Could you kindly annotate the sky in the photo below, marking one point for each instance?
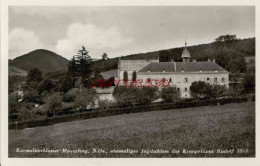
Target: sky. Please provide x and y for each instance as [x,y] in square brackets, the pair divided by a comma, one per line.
[120,31]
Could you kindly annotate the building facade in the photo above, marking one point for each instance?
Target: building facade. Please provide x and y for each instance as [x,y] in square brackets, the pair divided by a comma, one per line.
[180,74]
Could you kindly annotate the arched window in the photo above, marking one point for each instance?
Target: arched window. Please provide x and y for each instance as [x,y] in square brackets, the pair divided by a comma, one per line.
[134,76]
[125,76]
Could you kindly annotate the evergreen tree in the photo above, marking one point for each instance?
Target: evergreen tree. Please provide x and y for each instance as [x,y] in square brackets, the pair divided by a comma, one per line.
[84,62]
[80,66]
[33,78]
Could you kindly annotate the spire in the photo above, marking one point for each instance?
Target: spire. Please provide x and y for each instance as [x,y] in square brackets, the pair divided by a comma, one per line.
[185,42]
[185,54]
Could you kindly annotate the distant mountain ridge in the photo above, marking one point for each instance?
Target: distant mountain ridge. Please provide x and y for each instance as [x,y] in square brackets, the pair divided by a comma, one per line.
[45,60]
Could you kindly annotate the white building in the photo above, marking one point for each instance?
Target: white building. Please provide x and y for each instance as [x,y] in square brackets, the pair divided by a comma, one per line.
[180,74]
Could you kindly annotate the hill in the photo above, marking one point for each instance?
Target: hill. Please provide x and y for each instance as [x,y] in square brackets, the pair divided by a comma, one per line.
[217,50]
[44,60]
[12,70]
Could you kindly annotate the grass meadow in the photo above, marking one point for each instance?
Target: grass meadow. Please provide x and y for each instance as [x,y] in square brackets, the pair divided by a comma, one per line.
[224,127]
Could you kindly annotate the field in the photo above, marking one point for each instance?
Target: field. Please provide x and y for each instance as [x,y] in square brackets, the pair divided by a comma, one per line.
[229,128]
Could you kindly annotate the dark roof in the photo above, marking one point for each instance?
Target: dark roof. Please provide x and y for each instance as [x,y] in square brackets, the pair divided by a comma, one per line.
[179,66]
[109,74]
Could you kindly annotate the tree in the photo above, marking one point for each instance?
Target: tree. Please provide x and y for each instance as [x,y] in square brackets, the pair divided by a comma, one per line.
[83,63]
[79,84]
[146,95]
[32,96]
[72,68]
[45,85]
[98,79]
[66,83]
[225,38]
[231,60]
[104,56]
[249,83]
[53,103]
[86,98]
[218,91]
[198,89]
[130,96]
[170,94]
[125,96]
[33,78]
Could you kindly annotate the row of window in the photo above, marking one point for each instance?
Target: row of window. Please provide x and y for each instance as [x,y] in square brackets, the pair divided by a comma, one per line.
[186,80]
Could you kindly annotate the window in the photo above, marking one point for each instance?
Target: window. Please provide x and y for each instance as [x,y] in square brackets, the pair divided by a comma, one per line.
[208,79]
[185,79]
[178,89]
[215,79]
[223,79]
[125,76]
[170,80]
[186,89]
[134,76]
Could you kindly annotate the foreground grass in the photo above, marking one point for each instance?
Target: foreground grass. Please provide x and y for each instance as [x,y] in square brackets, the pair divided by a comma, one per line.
[230,126]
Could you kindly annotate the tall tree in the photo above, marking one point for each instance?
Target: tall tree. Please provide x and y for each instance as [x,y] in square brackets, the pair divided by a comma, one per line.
[104,56]
[33,78]
[83,62]
[72,68]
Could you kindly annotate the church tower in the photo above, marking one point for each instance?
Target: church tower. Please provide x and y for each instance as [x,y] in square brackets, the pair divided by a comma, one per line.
[185,54]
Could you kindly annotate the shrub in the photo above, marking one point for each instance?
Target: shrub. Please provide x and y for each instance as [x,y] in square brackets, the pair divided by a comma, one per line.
[198,89]
[13,103]
[25,113]
[130,96]
[45,85]
[201,89]
[85,98]
[53,103]
[170,94]
[125,96]
[146,95]
[71,95]
[32,96]
[105,104]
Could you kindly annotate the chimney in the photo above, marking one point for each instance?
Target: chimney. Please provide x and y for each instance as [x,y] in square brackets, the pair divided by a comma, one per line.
[193,60]
[213,60]
[209,60]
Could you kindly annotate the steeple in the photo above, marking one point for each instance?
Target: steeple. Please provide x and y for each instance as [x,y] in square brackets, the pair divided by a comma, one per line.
[185,54]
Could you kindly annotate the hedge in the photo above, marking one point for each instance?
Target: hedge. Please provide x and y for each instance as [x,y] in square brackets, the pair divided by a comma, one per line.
[87,114]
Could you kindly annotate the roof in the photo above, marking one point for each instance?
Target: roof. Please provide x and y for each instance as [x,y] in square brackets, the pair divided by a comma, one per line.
[109,74]
[179,66]
[185,53]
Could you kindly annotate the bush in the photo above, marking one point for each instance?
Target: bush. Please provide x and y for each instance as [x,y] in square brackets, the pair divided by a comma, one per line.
[201,89]
[26,113]
[105,104]
[32,96]
[71,95]
[130,96]
[53,103]
[170,94]
[118,111]
[85,98]
[45,85]
[146,95]
[125,96]
[13,103]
